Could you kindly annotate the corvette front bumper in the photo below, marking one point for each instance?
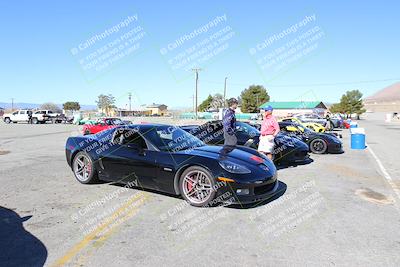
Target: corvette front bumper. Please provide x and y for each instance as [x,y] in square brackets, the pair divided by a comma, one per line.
[237,193]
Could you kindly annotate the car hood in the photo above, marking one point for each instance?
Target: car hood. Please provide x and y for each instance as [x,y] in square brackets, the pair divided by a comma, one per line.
[330,137]
[290,141]
[216,152]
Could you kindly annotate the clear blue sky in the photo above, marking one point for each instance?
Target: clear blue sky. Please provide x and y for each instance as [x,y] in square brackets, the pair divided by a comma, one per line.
[360,42]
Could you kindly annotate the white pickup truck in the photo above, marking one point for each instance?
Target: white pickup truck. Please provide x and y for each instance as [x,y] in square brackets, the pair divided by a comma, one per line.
[21,115]
[38,116]
[43,115]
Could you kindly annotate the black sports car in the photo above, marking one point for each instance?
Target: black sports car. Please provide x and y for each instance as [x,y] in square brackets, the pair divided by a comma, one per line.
[168,159]
[319,143]
[288,150]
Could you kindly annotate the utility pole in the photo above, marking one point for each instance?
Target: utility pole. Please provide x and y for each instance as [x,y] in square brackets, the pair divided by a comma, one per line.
[193,105]
[130,102]
[12,104]
[225,92]
[196,70]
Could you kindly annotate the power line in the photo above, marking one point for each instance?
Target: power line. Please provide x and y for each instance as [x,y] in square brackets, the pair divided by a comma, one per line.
[312,84]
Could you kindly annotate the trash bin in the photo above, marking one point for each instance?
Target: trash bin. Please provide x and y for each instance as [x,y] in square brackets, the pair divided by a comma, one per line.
[353,124]
[357,138]
[388,117]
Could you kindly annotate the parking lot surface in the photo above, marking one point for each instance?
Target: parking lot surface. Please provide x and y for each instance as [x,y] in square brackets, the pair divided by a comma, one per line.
[339,210]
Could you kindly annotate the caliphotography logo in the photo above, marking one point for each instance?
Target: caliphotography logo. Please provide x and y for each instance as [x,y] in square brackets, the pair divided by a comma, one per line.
[280,51]
[199,47]
[109,47]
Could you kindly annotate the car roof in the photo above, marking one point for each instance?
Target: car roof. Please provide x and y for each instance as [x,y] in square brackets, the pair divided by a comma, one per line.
[146,126]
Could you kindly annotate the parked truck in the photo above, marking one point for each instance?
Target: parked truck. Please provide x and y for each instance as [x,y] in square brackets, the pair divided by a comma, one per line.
[38,116]
[21,115]
[44,115]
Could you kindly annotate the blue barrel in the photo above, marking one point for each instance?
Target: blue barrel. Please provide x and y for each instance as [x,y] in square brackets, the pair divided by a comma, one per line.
[353,125]
[358,141]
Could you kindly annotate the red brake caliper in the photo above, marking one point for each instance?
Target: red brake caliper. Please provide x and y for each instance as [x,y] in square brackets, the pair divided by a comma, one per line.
[189,185]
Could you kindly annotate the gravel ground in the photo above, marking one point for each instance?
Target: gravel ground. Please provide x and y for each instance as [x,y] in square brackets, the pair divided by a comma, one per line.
[340,210]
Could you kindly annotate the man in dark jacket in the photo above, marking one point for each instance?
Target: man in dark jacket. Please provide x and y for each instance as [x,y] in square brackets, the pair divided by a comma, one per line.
[229,122]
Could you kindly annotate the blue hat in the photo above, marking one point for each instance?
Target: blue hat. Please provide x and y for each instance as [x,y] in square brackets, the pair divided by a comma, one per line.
[268,108]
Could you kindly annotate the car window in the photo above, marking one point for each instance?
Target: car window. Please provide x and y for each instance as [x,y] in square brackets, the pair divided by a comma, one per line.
[244,127]
[22,112]
[117,122]
[49,112]
[216,126]
[15,113]
[133,137]
[171,139]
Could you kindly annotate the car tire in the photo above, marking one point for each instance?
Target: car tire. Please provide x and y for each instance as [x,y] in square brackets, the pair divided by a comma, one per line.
[197,185]
[7,120]
[83,168]
[318,146]
[35,121]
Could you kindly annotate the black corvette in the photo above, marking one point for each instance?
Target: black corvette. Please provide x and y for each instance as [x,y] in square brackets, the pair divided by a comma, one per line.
[288,150]
[168,159]
[319,143]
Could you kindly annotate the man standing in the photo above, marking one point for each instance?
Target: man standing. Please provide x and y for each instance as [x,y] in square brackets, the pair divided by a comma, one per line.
[269,129]
[229,122]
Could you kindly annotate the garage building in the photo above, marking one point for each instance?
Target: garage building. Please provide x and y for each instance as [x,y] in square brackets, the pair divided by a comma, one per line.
[284,109]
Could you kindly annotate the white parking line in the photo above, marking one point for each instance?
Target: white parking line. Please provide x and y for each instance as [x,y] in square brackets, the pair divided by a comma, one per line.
[384,171]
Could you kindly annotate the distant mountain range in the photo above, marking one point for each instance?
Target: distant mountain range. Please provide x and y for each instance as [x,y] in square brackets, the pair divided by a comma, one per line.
[387,94]
[33,106]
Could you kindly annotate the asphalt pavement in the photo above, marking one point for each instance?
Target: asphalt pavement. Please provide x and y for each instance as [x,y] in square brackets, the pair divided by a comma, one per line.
[340,210]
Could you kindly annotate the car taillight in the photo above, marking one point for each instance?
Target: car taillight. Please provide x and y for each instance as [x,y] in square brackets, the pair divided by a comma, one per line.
[257,159]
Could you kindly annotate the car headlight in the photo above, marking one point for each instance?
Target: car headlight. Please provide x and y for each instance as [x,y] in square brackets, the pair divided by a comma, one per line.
[233,167]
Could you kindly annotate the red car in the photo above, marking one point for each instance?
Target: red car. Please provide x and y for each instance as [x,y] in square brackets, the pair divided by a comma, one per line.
[101,124]
[346,124]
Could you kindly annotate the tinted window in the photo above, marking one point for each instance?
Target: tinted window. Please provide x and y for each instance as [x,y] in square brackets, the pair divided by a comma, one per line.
[133,137]
[244,127]
[171,138]
[22,112]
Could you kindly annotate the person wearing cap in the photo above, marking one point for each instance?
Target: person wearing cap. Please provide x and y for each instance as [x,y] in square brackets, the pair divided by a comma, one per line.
[229,123]
[269,130]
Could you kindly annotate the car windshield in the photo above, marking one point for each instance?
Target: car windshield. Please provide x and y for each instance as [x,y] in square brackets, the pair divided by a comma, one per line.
[117,122]
[241,126]
[171,138]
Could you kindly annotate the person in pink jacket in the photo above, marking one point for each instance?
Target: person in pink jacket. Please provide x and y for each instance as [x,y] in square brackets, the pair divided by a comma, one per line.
[269,129]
